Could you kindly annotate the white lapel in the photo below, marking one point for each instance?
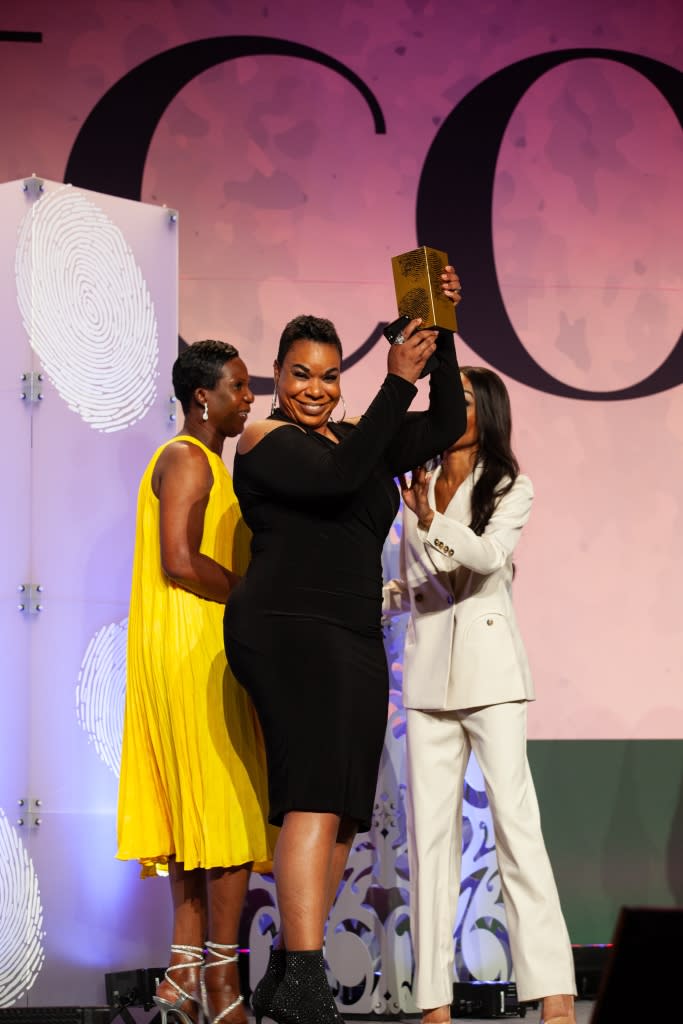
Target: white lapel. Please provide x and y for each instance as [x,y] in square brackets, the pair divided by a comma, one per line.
[460,505]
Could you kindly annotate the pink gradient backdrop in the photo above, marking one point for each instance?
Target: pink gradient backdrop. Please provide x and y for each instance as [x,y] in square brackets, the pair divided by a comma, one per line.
[290,203]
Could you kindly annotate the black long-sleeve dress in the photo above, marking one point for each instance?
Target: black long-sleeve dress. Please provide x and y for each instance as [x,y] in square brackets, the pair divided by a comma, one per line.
[302,629]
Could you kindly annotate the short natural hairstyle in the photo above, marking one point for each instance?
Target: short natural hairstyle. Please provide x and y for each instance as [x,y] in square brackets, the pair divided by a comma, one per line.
[200,366]
[310,328]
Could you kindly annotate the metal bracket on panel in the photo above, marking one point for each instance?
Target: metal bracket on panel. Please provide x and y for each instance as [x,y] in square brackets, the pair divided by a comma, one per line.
[32,382]
[31,600]
[171,214]
[30,811]
[34,186]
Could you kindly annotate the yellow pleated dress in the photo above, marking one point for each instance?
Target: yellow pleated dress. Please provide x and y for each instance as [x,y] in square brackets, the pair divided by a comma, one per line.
[193,771]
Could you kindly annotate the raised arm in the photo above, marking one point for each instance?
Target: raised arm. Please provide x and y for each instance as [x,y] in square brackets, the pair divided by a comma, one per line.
[290,463]
[426,434]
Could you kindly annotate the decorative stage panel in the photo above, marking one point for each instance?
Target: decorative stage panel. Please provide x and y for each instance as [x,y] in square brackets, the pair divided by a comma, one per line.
[88,288]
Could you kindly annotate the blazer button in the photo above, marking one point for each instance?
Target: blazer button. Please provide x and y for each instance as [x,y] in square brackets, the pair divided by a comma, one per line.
[419,597]
[489,622]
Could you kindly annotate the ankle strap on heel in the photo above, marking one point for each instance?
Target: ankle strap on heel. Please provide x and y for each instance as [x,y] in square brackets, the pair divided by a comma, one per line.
[217,949]
[194,951]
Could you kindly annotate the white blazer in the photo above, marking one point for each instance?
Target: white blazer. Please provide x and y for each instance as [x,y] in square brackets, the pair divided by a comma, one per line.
[463,648]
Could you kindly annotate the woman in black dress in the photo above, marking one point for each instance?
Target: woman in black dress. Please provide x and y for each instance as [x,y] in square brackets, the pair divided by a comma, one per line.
[302,628]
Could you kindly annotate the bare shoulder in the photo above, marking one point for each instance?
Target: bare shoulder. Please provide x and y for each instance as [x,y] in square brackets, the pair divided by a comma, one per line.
[182,464]
[182,453]
[253,433]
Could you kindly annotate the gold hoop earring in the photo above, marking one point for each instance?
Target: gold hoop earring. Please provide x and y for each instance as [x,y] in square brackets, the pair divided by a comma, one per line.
[343,415]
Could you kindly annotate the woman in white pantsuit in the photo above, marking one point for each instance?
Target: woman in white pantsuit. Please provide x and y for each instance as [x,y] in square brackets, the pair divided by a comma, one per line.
[466,685]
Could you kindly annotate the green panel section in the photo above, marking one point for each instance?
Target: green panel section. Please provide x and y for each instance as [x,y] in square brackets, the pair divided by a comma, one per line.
[612,813]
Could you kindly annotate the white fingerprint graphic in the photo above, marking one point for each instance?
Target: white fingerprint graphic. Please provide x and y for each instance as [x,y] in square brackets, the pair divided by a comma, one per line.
[87,310]
[21,917]
[101,691]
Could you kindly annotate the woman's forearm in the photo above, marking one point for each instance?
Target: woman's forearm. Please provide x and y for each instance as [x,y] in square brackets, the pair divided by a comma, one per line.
[202,576]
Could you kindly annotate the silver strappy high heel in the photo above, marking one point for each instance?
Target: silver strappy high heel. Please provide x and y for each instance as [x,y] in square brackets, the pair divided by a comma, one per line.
[221,952]
[165,1006]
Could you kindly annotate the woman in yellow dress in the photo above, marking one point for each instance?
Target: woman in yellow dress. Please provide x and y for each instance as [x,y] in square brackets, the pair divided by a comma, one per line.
[193,791]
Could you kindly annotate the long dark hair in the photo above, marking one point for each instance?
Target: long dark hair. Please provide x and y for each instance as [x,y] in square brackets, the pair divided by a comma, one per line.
[499,466]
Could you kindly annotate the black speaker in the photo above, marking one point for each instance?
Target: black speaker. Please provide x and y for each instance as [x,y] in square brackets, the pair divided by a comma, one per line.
[486,999]
[589,966]
[646,957]
[133,988]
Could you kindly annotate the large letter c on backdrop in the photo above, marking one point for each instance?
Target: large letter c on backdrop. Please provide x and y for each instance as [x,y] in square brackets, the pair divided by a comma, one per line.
[111,148]
[110,151]
[465,152]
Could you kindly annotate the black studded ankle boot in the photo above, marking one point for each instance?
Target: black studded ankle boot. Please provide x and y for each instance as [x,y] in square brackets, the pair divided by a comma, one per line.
[263,994]
[304,996]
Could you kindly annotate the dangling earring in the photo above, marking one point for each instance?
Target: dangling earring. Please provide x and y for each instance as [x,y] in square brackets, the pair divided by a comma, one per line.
[273,404]
[205,414]
[343,415]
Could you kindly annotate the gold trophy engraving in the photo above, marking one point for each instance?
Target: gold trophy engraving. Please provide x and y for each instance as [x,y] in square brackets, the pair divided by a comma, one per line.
[417,280]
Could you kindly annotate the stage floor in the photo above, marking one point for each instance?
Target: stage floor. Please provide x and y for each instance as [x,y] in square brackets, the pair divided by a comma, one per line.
[584,1009]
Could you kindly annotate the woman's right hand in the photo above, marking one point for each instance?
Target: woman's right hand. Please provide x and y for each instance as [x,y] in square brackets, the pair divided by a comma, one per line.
[408,360]
[416,495]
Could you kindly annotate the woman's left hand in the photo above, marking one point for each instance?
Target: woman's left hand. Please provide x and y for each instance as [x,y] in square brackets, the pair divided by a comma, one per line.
[450,285]
[416,496]
[410,351]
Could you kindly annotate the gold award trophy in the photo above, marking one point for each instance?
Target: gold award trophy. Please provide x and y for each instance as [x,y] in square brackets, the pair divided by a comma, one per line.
[417,279]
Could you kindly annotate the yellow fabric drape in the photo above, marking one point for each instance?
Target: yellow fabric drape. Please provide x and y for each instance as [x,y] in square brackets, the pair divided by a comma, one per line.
[193,774]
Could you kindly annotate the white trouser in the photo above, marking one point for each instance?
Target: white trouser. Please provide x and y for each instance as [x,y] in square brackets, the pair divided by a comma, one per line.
[438,748]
